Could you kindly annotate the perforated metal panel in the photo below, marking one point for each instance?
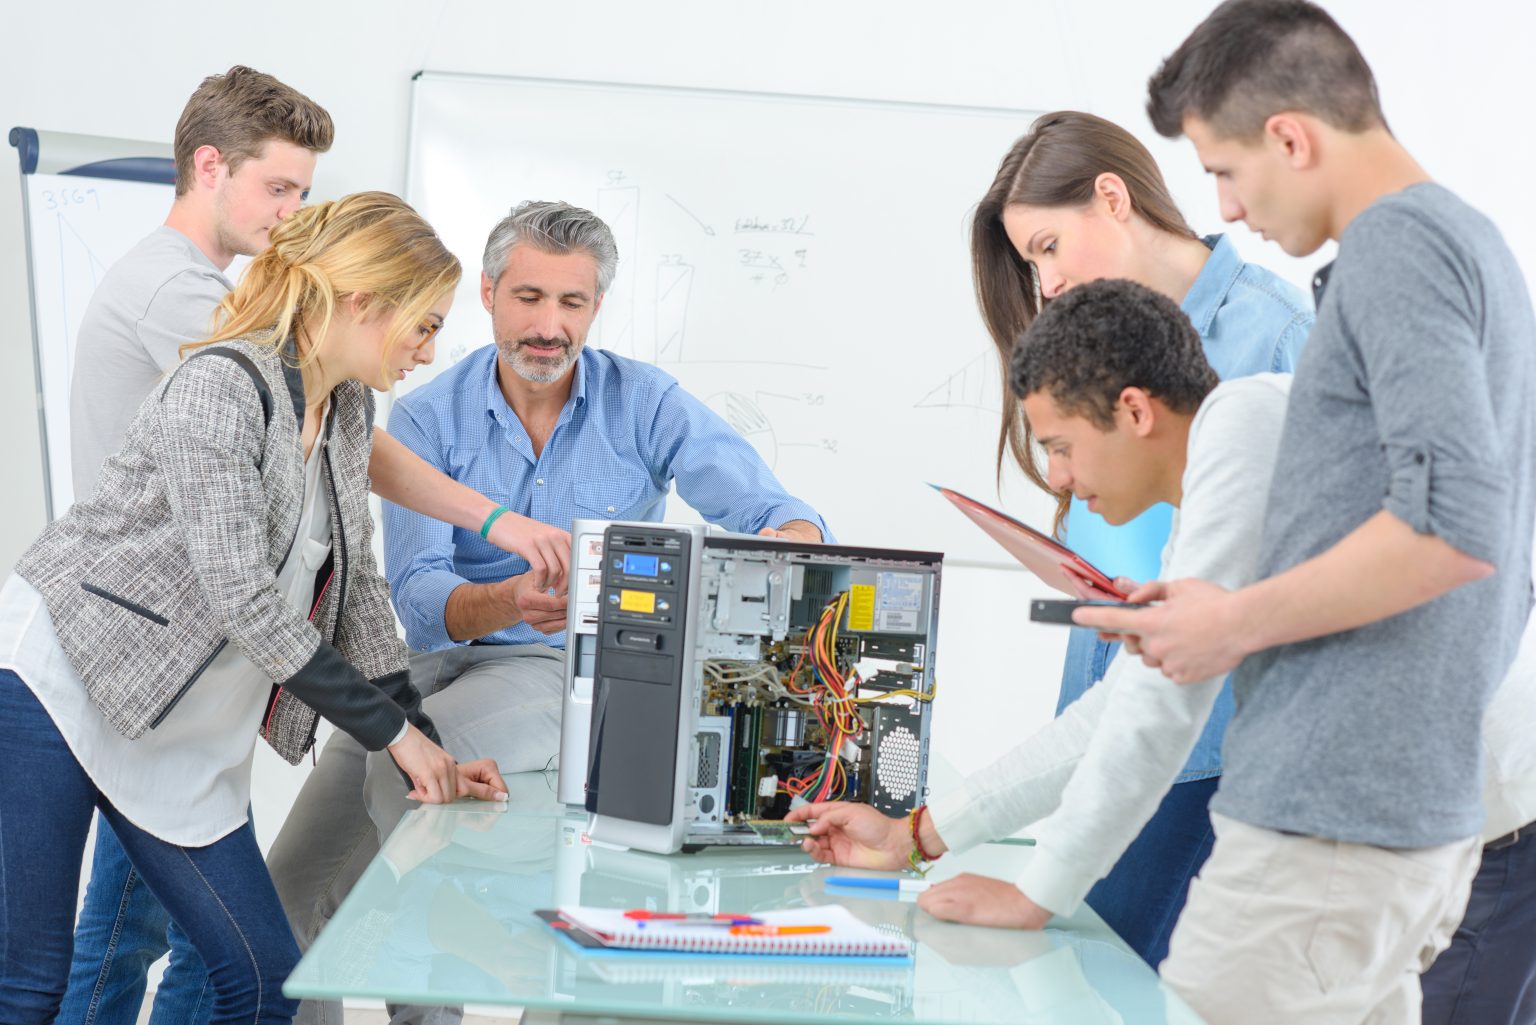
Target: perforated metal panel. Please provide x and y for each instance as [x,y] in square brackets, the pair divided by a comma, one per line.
[707,770]
[897,759]
[706,774]
[896,762]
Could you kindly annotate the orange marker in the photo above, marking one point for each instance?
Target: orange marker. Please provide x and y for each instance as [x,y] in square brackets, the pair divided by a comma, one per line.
[778,930]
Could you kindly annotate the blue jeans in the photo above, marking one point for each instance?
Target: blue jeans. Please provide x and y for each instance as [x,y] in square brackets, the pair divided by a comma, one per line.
[123,930]
[220,894]
[1087,661]
[1488,974]
[1143,894]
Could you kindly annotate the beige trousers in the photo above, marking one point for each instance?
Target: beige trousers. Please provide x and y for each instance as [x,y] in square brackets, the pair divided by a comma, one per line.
[1283,928]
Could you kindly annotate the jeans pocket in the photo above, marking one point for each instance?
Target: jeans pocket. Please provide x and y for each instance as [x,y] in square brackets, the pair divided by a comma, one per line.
[1374,898]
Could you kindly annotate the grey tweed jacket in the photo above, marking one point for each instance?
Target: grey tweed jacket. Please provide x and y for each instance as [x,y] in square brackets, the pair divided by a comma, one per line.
[177,554]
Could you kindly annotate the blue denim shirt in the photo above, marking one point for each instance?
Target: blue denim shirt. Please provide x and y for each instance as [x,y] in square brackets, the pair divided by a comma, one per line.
[1251,322]
[626,432]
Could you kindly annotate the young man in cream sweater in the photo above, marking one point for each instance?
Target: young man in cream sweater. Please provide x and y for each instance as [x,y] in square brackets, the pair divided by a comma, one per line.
[1120,396]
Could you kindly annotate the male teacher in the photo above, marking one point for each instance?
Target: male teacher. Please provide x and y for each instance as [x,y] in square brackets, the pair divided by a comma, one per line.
[555,431]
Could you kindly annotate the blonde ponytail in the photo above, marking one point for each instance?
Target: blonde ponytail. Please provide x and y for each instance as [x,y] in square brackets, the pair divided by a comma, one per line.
[368,244]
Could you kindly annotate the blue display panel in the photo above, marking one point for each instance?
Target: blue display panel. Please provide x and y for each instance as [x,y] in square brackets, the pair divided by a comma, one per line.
[639,565]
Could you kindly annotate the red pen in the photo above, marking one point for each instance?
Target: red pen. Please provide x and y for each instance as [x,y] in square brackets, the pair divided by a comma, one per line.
[641,916]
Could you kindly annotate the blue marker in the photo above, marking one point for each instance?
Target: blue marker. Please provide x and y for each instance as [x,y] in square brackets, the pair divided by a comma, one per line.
[879,883]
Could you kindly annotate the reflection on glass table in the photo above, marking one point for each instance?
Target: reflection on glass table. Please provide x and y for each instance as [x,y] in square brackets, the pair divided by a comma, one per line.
[445,915]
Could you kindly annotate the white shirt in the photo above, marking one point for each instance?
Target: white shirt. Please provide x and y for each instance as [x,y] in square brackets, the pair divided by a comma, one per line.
[1091,779]
[1094,776]
[188,780]
[1509,745]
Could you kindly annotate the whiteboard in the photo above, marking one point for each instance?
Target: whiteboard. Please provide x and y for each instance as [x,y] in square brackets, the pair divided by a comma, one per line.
[802,265]
[77,227]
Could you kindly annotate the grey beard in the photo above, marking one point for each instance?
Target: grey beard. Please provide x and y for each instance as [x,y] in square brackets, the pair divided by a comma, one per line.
[538,369]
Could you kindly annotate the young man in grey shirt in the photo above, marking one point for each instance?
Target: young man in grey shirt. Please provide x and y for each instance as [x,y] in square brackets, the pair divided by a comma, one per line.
[245,149]
[1397,546]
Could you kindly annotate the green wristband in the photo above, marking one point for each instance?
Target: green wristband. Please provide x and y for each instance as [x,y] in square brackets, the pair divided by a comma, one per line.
[485,529]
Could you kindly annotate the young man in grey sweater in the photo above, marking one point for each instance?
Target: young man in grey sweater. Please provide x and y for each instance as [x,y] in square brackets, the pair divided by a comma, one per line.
[1120,396]
[1396,552]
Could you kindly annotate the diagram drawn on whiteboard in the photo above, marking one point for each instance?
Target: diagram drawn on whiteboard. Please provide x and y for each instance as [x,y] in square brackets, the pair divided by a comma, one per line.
[748,417]
[674,286]
[646,310]
[619,207]
[974,386]
[80,269]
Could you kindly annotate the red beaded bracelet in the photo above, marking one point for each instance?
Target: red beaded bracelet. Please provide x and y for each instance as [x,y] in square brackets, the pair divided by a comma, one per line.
[916,819]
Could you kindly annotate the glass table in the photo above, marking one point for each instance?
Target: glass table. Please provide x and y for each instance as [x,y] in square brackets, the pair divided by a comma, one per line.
[445,915]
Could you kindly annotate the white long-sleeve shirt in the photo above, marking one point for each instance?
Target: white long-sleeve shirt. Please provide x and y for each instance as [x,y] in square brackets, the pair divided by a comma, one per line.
[1509,745]
[1094,777]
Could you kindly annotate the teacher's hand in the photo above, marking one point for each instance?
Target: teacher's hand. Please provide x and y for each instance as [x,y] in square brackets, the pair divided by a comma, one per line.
[538,608]
[795,530]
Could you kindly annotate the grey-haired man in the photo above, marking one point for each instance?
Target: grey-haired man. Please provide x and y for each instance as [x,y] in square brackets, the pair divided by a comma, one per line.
[553,430]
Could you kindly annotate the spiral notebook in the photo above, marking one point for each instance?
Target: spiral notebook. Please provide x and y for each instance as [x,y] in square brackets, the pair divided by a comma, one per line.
[844,935]
[890,974]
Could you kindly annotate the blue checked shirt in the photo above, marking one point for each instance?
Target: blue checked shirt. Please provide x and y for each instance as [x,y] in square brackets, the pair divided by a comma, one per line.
[625,433]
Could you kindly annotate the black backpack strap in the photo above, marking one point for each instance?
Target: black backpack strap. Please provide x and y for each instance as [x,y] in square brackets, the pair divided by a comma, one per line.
[262,388]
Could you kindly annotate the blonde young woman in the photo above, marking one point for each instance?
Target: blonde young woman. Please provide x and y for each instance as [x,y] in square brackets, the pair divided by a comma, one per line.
[220,585]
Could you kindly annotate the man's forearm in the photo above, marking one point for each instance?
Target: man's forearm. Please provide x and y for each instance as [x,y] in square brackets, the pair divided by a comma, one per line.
[476,610]
[1381,568]
[399,475]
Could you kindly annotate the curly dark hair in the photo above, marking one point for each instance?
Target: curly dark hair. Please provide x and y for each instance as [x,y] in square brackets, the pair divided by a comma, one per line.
[1100,338]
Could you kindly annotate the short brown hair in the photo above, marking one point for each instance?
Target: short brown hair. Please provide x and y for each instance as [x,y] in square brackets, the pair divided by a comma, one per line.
[1055,165]
[238,112]
[1252,59]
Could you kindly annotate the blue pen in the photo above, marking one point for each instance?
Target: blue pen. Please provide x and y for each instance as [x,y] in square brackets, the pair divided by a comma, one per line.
[879,883]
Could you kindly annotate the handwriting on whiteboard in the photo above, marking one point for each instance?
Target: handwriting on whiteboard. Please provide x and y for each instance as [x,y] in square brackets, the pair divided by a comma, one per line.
[774,225]
[68,198]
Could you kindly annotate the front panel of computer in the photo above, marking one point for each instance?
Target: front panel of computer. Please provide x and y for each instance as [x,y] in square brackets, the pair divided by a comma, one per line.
[642,700]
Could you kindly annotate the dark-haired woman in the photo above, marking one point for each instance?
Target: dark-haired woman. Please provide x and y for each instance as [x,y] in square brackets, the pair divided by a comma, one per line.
[1075,200]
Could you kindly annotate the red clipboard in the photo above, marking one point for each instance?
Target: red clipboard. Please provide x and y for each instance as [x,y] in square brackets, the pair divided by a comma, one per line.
[1048,559]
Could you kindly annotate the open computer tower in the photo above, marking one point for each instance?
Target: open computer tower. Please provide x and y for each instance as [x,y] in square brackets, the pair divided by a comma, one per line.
[715,680]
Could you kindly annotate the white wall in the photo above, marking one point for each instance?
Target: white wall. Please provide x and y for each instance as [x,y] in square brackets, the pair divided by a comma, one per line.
[1458,85]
